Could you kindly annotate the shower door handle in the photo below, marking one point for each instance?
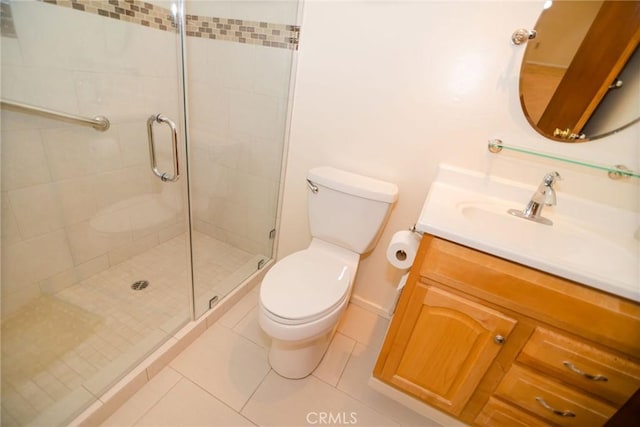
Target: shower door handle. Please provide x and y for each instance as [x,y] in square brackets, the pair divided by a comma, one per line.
[164,176]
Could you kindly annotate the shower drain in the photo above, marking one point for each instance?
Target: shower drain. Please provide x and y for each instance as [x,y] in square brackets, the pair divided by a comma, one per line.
[140,285]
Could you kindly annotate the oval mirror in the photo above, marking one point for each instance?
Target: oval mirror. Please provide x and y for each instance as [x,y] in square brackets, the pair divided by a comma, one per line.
[580,75]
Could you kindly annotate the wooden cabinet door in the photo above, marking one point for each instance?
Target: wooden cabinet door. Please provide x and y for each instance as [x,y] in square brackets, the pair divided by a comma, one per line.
[443,347]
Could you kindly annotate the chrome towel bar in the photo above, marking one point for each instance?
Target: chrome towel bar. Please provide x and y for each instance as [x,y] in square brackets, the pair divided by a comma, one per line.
[100,123]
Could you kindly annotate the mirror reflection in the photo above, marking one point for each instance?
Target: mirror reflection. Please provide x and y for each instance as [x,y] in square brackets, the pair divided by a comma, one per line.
[580,76]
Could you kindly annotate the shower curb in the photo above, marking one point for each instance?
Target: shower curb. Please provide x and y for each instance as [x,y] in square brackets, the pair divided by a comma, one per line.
[124,389]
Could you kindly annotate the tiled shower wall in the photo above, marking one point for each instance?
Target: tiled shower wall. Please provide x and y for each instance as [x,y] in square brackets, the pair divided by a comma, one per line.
[237,110]
[70,195]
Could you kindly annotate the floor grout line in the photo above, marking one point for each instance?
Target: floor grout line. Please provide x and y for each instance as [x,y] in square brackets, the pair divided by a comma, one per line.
[220,400]
[151,407]
[253,394]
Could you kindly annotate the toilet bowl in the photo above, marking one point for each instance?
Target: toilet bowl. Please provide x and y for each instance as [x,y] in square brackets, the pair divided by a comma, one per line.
[304,295]
[299,319]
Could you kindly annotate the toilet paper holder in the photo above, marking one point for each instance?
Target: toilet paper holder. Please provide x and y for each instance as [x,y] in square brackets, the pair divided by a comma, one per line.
[415,230]
[402,254]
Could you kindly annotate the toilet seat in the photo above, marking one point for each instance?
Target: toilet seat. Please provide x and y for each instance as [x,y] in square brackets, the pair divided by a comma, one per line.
[304,286]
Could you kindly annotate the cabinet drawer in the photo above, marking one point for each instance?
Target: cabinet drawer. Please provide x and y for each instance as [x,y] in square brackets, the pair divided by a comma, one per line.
[497,413]
[538,295]
[578,363]
[552,401]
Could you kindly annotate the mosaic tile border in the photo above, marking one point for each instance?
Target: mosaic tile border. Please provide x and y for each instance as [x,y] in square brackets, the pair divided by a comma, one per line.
[6,20]
[134,11]
[242,31]
[267,34]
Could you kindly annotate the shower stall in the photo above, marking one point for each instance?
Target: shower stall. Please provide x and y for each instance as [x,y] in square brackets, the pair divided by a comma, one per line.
[141,155]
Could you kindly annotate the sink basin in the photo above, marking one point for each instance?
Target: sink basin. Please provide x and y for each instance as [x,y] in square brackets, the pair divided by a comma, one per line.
[589,243]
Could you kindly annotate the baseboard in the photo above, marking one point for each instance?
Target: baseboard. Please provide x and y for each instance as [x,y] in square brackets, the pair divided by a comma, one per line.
[414,404]
[370,306]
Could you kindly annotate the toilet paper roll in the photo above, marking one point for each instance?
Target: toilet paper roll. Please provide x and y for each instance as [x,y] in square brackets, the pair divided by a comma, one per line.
[403,248]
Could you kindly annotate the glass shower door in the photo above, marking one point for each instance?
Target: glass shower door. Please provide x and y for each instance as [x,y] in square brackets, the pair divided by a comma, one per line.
[95,242]
[99,264]
[239,62]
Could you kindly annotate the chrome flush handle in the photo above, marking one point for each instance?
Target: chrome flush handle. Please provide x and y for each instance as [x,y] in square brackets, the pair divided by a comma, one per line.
[312,186]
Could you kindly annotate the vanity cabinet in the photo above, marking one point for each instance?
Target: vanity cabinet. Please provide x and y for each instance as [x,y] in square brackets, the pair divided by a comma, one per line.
[459,337]
[496,343]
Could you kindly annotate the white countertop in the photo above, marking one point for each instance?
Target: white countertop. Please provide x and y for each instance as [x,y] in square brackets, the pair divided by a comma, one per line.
[593,244]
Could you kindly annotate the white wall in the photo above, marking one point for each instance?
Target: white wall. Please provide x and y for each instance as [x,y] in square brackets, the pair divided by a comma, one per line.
[391,89]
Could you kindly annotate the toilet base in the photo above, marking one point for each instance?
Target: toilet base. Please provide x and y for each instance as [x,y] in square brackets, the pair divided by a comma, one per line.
[295,359]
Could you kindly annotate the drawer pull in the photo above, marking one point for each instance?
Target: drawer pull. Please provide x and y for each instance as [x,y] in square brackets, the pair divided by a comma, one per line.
[573,368]
[499,339]
[548,407]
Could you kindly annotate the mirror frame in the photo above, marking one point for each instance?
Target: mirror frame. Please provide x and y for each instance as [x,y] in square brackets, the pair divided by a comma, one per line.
[603,53]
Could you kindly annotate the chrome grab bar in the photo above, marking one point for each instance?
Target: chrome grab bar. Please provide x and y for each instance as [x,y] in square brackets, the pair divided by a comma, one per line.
[98,123]
[159,118]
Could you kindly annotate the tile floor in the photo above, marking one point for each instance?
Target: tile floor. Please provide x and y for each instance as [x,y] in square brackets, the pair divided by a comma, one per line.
[95,329]
[224,379]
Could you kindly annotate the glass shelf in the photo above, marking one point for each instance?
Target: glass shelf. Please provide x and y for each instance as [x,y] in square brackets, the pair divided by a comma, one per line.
[614,172]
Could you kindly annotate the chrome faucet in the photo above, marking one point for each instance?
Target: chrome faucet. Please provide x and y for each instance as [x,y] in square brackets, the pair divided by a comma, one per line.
[544,195]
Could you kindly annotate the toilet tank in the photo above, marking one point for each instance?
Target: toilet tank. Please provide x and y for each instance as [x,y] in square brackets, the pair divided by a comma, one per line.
[347,209]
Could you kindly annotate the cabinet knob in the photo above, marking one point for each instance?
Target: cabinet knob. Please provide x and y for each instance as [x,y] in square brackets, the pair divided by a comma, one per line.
[498,339]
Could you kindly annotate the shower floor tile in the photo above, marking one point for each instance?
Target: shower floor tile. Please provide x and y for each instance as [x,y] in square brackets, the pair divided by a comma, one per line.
[84,335]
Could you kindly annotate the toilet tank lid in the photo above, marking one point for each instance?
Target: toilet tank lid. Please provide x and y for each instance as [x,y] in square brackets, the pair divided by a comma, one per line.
[351,183]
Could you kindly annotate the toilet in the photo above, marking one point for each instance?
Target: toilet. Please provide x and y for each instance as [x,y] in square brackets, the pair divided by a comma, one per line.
[303,295]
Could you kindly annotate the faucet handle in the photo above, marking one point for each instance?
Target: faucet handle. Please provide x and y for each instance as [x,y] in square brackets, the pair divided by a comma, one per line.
[549,192]
[551,177]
